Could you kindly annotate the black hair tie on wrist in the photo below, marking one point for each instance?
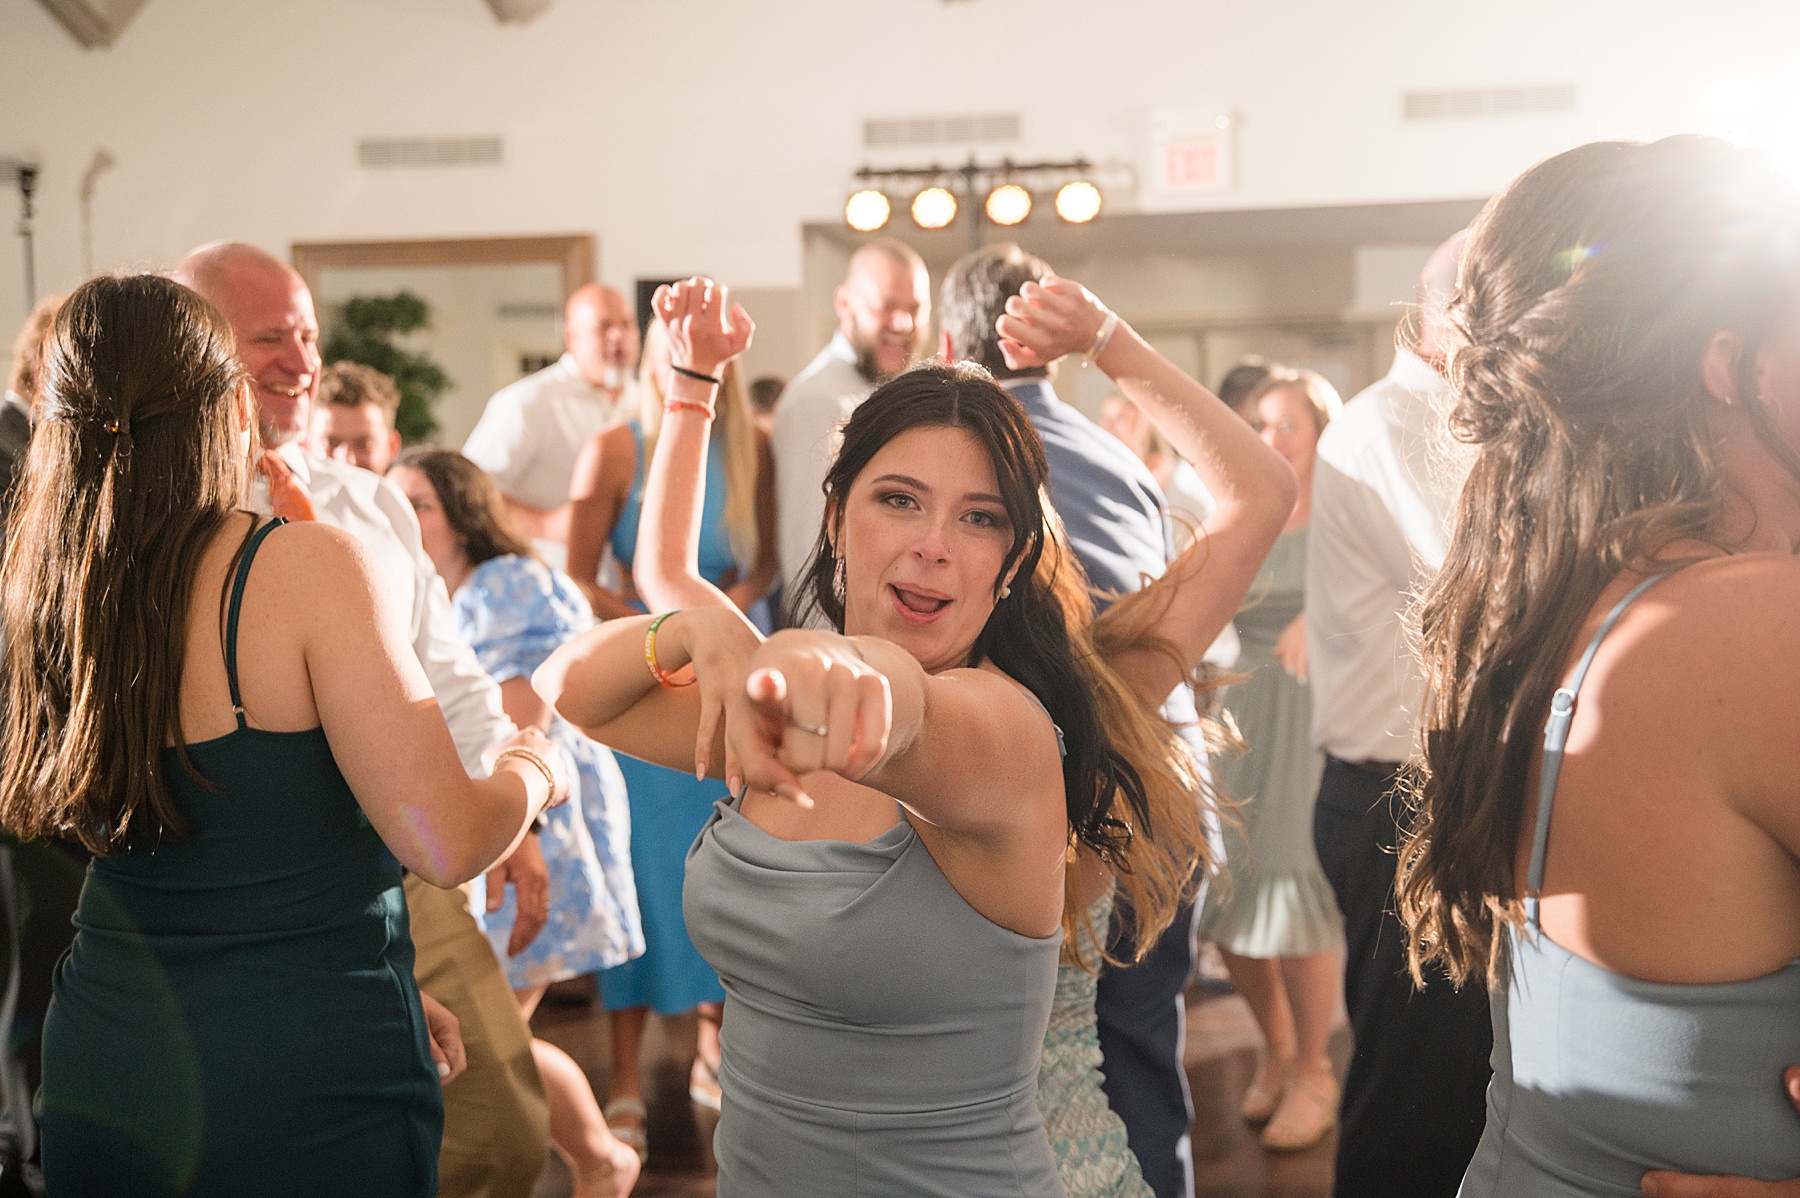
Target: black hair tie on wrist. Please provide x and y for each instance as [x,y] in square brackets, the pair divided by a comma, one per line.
[695,375]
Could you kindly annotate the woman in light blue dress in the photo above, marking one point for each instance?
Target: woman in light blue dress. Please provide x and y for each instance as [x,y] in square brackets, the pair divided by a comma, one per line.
[513,610]
[736,551]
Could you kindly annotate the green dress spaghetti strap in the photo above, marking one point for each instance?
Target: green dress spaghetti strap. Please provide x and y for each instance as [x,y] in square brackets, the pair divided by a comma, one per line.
[238,1013]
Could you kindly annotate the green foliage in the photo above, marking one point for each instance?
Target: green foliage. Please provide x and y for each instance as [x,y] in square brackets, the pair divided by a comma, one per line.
[365,332]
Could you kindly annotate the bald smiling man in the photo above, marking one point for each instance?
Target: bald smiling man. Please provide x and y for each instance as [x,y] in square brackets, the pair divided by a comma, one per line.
[532,431]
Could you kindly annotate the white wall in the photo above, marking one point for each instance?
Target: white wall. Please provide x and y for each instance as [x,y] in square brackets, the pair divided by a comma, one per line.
[698,134]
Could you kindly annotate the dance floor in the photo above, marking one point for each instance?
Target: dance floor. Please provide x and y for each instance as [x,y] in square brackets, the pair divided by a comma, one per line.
[1222,1054]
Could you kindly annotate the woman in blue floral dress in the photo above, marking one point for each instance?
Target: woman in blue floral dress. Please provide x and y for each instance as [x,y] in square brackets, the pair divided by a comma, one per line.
[514,610]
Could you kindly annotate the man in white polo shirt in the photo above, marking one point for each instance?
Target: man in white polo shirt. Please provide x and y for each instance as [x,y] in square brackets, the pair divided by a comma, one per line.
[532,431]
[884,322]
[1383,490]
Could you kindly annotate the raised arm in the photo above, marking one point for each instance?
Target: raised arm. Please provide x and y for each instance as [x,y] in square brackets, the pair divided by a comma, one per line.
[702,339]
[385,728]
[1254,488]
[596,496]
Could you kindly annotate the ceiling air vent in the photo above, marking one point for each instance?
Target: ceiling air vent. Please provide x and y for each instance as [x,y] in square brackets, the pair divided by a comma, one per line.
[1468,104]
[958,129]
[428,151]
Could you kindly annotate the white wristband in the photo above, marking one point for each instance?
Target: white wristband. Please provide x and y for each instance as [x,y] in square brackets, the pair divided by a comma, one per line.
[1103,338]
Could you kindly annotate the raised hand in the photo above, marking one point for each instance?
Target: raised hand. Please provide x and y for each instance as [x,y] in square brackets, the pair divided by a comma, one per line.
[1048,320]
[809,703]
[704,334]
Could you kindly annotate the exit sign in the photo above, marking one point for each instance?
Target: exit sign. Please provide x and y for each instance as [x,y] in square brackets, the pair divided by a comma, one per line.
[1190,165]
[1190,156]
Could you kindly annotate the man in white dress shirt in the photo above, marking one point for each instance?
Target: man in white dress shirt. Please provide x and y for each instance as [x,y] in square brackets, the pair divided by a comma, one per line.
[496,1124]
[532,431]
[1383,491]
[884,323]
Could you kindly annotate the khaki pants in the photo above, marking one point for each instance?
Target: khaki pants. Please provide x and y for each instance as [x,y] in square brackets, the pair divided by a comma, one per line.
[496,1124]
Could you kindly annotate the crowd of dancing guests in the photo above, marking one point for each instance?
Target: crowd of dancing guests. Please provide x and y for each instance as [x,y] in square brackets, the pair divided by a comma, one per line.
[909,727]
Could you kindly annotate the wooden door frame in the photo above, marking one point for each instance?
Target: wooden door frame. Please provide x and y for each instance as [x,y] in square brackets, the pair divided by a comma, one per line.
[572,253]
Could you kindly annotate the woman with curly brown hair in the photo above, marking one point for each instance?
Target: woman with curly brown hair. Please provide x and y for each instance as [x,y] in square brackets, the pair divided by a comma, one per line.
[1608,831]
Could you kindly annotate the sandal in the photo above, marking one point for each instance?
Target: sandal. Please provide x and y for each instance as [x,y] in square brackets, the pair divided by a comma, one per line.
[633,1138]
[703,1086]
[1306,1115]
[1260,1101]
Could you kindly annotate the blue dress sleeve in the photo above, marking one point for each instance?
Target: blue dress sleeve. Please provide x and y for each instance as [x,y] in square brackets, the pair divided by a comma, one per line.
[515,611]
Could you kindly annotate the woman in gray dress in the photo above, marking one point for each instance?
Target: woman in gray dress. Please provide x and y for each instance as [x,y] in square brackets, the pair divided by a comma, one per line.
[884,899]
[1277,924]
[1608,833]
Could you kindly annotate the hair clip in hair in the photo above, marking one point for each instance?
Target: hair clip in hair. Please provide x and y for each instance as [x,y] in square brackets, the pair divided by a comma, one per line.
[113,426]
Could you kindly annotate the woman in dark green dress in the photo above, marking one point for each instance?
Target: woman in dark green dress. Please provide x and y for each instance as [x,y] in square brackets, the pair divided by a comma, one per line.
[231,718]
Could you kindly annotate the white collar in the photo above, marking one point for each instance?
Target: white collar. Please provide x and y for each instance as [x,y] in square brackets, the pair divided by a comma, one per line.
[839,347]
[1415,374]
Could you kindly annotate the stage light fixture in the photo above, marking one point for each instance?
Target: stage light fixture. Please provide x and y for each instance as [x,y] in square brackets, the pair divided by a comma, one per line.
[933,208]
[867,211]
[1008,204]
[1078,202]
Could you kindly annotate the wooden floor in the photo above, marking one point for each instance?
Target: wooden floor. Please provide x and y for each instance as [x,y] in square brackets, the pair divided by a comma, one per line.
[1223,1051]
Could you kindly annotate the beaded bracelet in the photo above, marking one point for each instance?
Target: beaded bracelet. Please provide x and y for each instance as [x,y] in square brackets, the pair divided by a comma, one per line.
[696,375]
[662,676]
[689,405]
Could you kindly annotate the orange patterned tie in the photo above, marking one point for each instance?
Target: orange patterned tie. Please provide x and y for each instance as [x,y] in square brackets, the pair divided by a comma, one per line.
[286,496]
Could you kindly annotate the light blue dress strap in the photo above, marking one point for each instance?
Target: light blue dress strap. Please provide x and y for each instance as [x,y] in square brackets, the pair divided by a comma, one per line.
[1556,735]
[1062,746]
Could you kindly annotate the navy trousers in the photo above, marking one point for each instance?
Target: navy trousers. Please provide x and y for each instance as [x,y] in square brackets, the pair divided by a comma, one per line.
[1415,1098]
[1143,1022]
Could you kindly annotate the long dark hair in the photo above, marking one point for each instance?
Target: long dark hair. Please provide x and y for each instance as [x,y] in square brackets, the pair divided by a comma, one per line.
[473,506]
[1028,634]
[135,466]
[1589,293]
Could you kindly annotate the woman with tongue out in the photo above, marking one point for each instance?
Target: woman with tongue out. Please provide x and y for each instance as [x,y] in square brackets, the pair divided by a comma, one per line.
[926,800]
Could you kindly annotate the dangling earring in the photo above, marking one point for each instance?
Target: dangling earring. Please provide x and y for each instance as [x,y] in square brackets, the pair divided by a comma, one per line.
[837,581]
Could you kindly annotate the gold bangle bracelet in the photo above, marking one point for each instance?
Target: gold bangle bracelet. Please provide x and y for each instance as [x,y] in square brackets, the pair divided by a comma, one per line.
[532,756]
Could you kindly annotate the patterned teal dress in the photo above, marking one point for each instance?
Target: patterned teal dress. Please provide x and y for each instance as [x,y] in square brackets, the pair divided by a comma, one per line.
[1276,902]
[514,611]
[1092,1154]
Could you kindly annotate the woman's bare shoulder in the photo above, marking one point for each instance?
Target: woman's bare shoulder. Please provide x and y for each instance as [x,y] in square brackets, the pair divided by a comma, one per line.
[1737,611]
[311,563]
[1744,585]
